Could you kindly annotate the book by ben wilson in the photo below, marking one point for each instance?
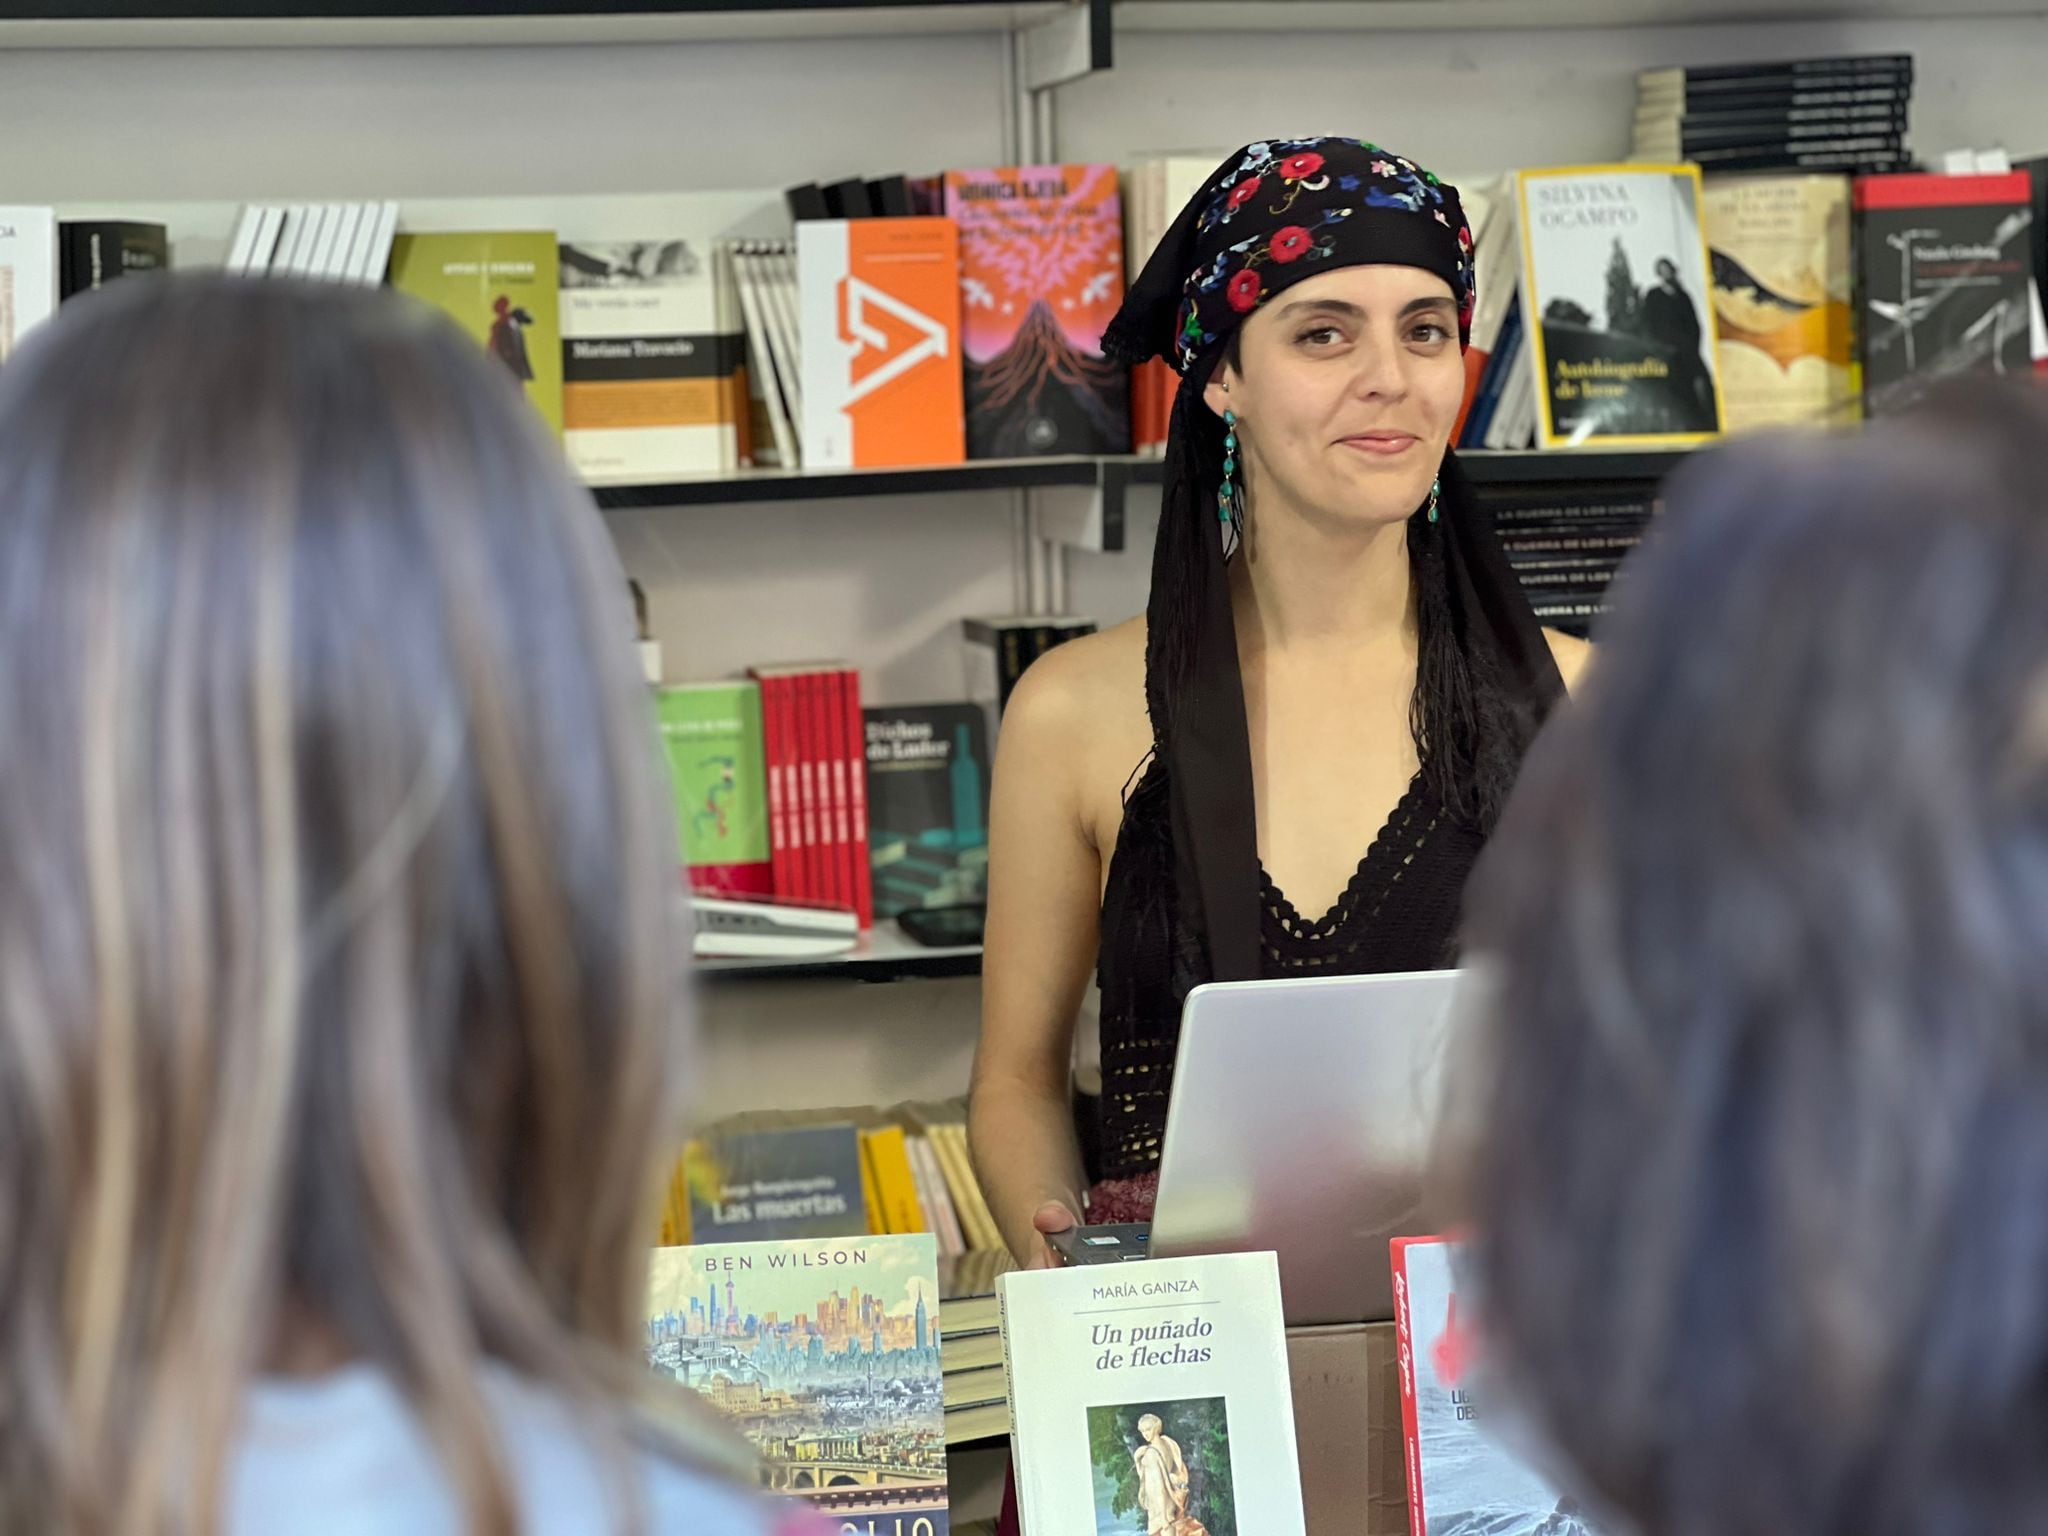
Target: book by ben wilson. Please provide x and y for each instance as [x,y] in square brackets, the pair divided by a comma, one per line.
[1943,266]
[1152,1399]
[504,289]
[927,806]
[1041,276]
[1616,283]
[1462,1481]
[825,1355]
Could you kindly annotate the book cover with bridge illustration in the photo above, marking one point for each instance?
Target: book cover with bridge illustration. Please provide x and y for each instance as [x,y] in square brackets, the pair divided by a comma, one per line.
[826,1356]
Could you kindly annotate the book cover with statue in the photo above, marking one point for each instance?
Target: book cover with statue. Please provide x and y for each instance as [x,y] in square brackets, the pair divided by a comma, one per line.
[1152,1399]
[1617,306]
[825,1355]
[1463,1479]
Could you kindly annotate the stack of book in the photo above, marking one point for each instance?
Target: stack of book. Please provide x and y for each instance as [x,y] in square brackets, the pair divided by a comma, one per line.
[1156,188]
[1566,543]
[977,1388]
[1836,114]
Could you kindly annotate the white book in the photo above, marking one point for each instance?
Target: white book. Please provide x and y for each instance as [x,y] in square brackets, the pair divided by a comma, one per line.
[346,221]
[243,241]
[28,272]
[1152,1397]
[761,350]
[307,261]
[326,231]
[269,230]
[290,232]
[377,256]
[780,265]
[351,259]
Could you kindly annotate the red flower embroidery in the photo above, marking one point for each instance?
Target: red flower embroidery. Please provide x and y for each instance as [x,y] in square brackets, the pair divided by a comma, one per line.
[1295,167]
[1243,291]
[1289,243]
[1243,192]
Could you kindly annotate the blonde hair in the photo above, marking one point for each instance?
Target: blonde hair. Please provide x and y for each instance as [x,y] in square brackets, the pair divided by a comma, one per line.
[339,942]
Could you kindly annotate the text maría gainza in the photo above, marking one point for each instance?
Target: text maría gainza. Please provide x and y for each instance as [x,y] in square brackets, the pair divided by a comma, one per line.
[1583,205]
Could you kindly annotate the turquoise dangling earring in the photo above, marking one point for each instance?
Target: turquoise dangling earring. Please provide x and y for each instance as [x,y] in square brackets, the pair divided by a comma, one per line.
[1436,489]
[1226,494]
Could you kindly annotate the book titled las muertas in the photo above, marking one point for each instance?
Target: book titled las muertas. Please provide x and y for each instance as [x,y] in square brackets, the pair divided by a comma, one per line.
[825,1355]
[1619,301]
[1152,1398]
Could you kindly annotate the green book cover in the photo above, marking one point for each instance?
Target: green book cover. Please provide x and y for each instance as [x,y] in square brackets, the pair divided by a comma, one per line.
[928,772]
[711,733]
[504,289]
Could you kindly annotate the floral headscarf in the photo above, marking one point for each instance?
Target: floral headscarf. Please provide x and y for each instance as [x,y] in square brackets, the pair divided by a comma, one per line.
[1275,213]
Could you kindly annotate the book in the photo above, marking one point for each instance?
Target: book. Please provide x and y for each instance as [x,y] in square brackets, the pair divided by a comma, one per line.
[1710,79]
[771,418]
[880,378]
[1944,281]
[1041,277]
[853,741]
[826,1356]
[502,288]
[1460,1478]
[928,772]
[713,737]
[1001,650]
[971,1351]
[28,273]
[1616,307]
[1784,280]
[978,1387]
[94,253]
[1155,191]
[799,1181]
[936,1199]
[887,1151]
[1152,1397]
[652,379]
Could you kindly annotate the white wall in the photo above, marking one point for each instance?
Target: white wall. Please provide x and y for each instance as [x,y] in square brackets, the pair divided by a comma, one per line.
[879,583]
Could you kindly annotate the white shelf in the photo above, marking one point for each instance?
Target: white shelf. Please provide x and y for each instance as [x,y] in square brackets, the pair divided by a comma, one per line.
[1269,16]
[883,954]
[283,24]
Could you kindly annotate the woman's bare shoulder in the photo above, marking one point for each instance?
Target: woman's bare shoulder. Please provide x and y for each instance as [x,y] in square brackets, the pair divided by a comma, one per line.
[1095,683]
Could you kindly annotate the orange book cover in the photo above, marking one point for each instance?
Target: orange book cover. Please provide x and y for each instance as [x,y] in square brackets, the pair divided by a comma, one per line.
[881,343]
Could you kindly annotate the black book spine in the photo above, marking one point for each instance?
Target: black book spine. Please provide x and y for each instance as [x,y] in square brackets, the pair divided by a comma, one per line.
[806,202]
[890,197]
[849,199]
[1853,162]
[1885,113]
[1882,66]
[1866,144]
[1764,130]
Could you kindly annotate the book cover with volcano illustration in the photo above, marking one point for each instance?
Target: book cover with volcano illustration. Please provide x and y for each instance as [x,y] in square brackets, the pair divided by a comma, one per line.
[1041,276]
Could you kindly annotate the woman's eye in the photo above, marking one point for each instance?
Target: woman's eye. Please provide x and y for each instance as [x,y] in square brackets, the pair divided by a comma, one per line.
[1431,333]
[1318,336]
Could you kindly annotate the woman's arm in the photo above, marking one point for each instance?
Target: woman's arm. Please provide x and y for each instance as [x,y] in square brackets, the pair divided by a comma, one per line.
[1043,914]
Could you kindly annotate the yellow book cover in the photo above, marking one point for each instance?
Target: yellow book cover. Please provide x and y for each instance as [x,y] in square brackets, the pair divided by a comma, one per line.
[950,1143]
[901,1209]
[504,289]
[1617,304]
[870,1187]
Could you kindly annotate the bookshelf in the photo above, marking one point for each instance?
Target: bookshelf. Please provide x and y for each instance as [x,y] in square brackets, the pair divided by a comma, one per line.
[882,955]
[1284,16]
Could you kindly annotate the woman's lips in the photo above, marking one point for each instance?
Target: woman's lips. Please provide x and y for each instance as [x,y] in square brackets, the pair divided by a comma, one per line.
[1382,445]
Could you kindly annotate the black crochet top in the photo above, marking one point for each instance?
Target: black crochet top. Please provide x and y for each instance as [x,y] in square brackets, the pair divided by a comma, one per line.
[1399,913]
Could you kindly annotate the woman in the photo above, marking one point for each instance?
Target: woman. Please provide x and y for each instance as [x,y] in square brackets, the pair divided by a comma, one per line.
[1762,1180]
[1361,677]
[340,1011]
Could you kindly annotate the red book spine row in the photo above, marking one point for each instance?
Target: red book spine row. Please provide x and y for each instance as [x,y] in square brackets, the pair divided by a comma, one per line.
[817,788]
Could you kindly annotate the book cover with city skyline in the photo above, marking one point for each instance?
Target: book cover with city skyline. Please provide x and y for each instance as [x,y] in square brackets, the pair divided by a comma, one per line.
[825,1354]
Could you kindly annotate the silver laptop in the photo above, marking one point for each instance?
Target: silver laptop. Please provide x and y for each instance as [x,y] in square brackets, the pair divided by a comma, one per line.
[1302,1121]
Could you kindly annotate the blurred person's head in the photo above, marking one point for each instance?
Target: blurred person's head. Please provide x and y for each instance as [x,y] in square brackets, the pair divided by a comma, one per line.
[1760,1200]
[340,1011]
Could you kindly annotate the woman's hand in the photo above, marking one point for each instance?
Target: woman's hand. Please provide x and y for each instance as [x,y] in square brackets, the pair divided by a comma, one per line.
[1050,1219]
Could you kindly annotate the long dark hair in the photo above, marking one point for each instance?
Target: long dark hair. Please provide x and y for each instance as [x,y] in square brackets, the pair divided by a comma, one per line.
[1760,1187]
[339,935]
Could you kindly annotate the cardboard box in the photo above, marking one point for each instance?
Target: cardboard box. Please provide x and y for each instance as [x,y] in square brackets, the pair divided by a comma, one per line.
[1347,1429]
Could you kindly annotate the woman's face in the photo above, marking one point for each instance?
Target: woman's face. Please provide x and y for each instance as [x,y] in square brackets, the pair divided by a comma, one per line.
[1346,388]
[1150,1431]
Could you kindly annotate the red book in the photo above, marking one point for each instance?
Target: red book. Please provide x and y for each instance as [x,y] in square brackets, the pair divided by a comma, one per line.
[834,712]
[811,872]
[819,729]
[857,801]
[779,754]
